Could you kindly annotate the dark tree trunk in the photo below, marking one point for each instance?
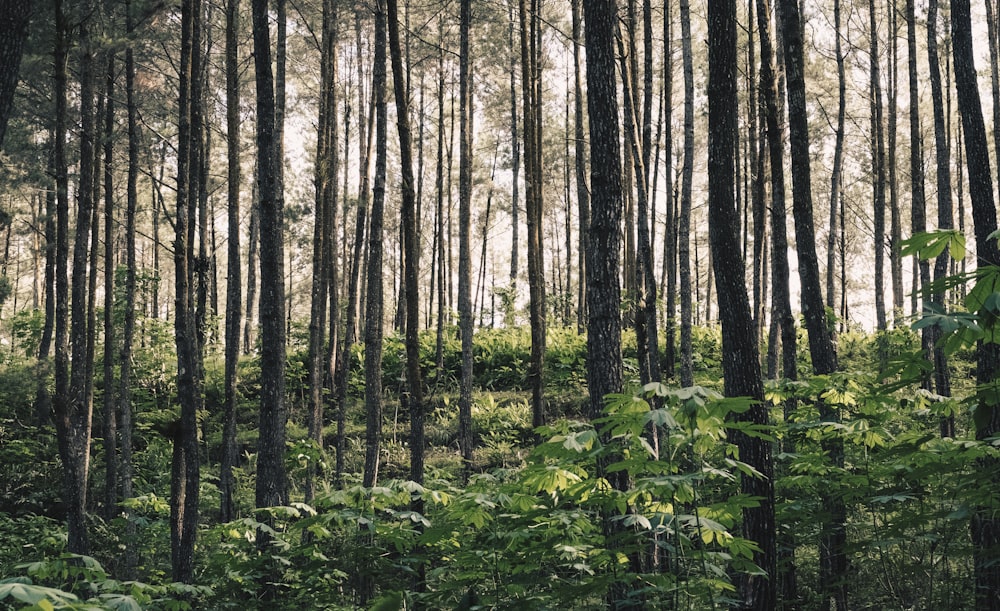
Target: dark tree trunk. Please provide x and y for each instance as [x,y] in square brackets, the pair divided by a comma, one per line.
[833,536]
[374,300]
[783,323]
[942,154]
[580,166]
[985,524]
[185,472]
[918,206]
[234,310]
[14,18]
[110,416]
[895,220]
[684,217]
[128,324]
[878,173]
[515,149]
[604,359]
[464,248]
[531,87]
[272,481]
[740,360]
[838,156]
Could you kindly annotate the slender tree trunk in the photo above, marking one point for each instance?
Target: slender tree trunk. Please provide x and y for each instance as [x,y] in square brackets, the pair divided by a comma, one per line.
[918,206]
[234,309]
[530,20]
[669,188]
[838,156]
[465,222]
[128,324]
[515,149]
[185,473]
[272,481]
[110,416]
[942,153]
[878,174]
[895,220]
[833,536]
[374,303]
[684,218]
[580,166]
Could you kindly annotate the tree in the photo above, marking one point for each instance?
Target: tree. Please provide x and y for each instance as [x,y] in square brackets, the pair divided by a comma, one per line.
[740,358]
[374,303]
[942,155]
[186,467]
[684,218]
[878,172]
[580,164]
[464,228]
[985,525]
[14,18]
[531,92]
[272,481]
[234,311]
[833,553]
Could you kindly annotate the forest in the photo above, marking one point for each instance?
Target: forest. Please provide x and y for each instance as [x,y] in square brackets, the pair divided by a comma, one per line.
[506,304]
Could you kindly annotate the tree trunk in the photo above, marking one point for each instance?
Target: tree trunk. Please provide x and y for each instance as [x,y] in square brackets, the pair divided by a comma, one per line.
[684,218]
[783,323]
[14,18]
[985,525]
[942,154]
[918,206]
[272,481]
[128,324]
[110,417]
[833,536]
[895,221]
[185,472]
[465,141]
[838,156]
[234,310]
[878,174]
[374,303]
[580,166]
[530,20]
[604,359]
[740,361]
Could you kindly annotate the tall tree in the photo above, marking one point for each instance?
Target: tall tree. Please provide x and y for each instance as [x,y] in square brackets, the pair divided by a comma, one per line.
[669,275]
[918,206]
[838,155]
[465,238]
[110,408]
[72,410]
[878,169]
[531,91]
[374,299]
[684,218]
[783,322]
[740,360]
[272,480]
[14,18]
[833,552]
[580,164]
[942,155]
[234,309]
[604,360]
[985,524]
[185,472]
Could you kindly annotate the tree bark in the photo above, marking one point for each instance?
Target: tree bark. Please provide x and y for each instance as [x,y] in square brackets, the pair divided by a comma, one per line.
[740,358]
[465,238]
[878,173]
[272,481]
[985,525]
[833,536]
[234,310]
[684,218]
[14,18]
